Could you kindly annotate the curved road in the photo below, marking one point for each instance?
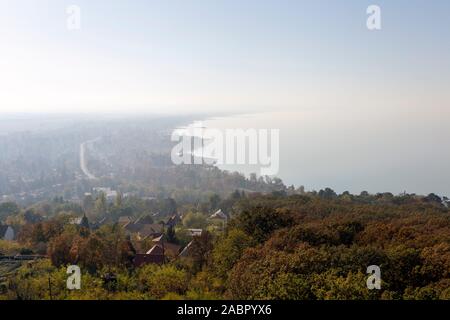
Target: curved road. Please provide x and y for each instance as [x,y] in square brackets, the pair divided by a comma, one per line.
[83,162]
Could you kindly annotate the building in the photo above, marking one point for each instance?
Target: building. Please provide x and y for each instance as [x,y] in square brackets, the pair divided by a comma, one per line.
[124,220]
[145,219]
[110,195]
[7,233]
[186,251]
[154,255]
[159,253]
[159,240]
[171,250]
[144,231]
[101,222]
[7,198]
[195,232]
[81,221]
[219,214]
[150,231]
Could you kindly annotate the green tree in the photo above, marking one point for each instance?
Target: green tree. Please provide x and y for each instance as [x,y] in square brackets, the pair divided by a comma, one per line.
[201,249]
[195,220]
[214,201]
[228,250]
[101,206]
[8,209]
[170,234]
[159,281]
[259,222]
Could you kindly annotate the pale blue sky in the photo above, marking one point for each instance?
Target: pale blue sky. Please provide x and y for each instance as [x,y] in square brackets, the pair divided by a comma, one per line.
[217,55]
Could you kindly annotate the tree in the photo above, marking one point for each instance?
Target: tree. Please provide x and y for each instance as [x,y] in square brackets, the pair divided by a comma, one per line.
[169,207]
[214,201]
[127,253]
[327,194]
[332,286]
[160,281]
[301,190]
[8,209]
[228,250]
[88,203]
[85,222]
[433,198]
[91,253]
[170,234]
[348,231]
[119,200]
[236,195]
[59,249]
[287,286]
[101,206]
[194,220]
[201,250]
[259,222]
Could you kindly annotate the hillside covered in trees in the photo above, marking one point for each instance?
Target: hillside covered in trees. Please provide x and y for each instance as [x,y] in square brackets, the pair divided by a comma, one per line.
[283,245]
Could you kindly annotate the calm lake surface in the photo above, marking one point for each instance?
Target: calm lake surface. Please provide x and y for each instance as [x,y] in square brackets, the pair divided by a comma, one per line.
[389,151]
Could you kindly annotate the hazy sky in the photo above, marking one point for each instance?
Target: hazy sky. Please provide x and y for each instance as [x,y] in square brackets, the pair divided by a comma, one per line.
[223,55]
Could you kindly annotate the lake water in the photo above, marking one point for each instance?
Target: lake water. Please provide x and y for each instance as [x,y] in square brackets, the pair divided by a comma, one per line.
[388,151]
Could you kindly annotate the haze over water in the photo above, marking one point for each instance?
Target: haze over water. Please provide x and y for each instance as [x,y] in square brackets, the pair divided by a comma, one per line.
[376,151]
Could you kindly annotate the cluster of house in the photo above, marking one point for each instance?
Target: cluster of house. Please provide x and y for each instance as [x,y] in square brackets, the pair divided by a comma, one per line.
[158,253]
[108,192]
[141,230]
[144,229]
[161,249]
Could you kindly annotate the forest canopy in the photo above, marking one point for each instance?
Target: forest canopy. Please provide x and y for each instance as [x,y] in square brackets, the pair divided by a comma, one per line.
[275,246]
